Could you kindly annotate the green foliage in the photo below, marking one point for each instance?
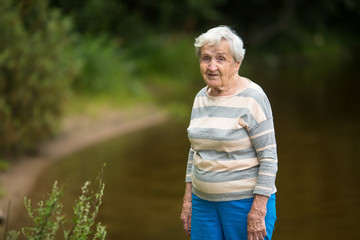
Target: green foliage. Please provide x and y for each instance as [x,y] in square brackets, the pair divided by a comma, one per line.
[105,69]
[168,68]
[264,23]
[172,55]
[91,15]
[165,59]
[134,20]
[159,68]
[48,218]
[35,72]
[13,235]
[45,226]
[84,215]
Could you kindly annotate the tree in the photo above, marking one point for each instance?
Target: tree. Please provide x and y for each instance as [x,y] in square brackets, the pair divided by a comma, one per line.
[35,70]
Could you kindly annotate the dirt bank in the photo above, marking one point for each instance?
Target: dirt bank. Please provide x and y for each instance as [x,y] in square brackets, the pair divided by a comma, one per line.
[76,133]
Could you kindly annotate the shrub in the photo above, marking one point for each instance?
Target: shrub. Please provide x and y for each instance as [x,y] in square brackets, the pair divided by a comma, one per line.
[48,217]
[35,71]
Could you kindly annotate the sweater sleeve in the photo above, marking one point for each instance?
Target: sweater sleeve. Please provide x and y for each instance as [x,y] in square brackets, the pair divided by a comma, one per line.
[189,165]
[260,127]
[263,140]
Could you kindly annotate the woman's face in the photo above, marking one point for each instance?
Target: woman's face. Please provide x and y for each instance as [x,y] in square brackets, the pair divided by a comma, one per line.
[217,66]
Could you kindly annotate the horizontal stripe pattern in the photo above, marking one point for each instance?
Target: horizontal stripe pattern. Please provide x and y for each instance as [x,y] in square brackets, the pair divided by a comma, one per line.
[221,166]
[228,176]
[218,134]
[235,102]
[222,146]
[228,196]
[233,146]
[224,187]
[236,155]
[215,123]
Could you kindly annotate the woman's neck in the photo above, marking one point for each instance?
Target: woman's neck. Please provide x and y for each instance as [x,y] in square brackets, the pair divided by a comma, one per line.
[237,85]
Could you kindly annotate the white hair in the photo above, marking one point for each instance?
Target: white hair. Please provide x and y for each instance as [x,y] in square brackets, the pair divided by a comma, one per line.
[213,37]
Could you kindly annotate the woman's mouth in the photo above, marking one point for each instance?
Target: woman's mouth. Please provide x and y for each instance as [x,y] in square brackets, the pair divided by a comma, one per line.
[212,74]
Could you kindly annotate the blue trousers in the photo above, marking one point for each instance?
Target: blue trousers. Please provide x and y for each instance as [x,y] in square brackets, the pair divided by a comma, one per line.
[226,220]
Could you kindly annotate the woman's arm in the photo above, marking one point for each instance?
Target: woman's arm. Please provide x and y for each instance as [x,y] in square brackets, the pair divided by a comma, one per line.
[186,208]
[256,218]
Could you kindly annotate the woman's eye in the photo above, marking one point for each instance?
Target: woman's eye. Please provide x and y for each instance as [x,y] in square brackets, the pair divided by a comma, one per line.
[206,59]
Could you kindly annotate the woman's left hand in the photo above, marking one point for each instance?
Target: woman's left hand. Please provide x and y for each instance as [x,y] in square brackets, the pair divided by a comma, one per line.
[185,216]
[256,228]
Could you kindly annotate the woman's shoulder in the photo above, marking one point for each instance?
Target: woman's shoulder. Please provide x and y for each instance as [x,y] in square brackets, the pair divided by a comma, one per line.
[254,91]
[202,92]
[257,94]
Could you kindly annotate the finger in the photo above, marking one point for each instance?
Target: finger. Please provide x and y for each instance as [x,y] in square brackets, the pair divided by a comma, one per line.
[255,236]
[251,236]
[188,231]
[189,224]
[186,225]
[261,233]
[184,222]
[263,229]
[264,232]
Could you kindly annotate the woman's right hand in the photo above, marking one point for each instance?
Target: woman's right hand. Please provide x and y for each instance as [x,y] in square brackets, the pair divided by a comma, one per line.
[185,216]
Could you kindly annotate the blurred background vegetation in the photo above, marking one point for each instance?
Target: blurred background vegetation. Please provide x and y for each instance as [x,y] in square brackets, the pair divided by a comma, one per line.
[57,56]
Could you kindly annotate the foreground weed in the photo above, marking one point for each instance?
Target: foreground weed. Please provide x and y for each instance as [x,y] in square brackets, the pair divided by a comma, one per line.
[47,217]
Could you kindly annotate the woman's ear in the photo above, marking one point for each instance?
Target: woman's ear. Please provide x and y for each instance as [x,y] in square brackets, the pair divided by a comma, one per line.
[238,64]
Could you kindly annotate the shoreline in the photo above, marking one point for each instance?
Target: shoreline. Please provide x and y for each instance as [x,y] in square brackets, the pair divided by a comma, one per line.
[76,133]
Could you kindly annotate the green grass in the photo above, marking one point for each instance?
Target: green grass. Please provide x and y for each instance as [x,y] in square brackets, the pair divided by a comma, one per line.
[4,165]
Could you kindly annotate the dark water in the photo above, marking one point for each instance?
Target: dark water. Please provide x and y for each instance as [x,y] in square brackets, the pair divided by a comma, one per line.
[319,187]
[318,181]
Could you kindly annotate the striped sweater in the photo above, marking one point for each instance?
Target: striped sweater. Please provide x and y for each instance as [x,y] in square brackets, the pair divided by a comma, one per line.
[233,147]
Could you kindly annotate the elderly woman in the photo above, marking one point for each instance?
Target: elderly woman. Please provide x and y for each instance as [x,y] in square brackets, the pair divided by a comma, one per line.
[232,164]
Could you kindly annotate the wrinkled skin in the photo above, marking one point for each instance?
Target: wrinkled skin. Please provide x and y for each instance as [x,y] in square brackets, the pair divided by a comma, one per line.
[185,216]
[256,218]
[219,69]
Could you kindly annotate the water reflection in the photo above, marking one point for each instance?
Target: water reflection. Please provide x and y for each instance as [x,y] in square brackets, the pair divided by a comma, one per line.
[318,183]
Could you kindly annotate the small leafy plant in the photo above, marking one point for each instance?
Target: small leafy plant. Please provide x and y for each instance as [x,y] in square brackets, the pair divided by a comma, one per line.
[48,217]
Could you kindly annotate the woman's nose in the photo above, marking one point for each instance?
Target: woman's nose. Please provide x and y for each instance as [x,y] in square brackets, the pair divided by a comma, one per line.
[212,66]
